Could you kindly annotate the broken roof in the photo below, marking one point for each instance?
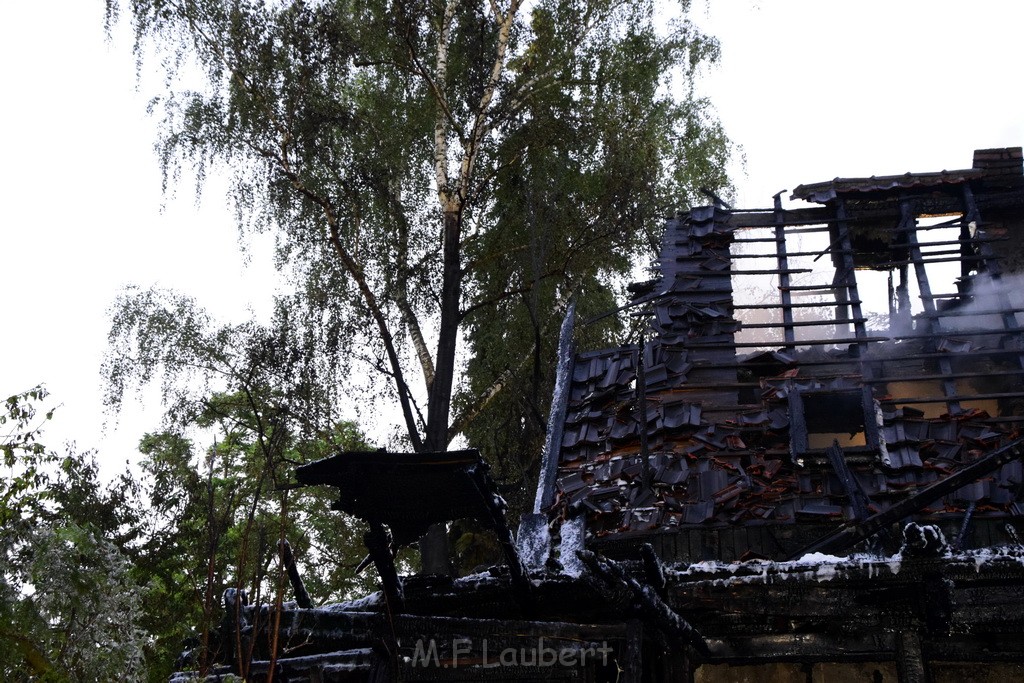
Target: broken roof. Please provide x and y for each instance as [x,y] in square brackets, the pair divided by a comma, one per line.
[739,401]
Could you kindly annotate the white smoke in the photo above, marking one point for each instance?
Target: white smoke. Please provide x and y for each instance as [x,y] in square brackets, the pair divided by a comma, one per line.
[990,299]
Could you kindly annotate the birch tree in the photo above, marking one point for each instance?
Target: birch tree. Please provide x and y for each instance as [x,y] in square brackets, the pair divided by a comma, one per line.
[436,169]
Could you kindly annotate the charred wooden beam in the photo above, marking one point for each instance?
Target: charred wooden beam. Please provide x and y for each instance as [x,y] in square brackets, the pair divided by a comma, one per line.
[804,231]
[959,313]
[945,334]
[908,223]
[921,260]
[654,570]
[974,353]
[782,268]
[786,647]
[378,542]
[696,342]
[965,526]
[767,218]
[346,630]
[985,648]
[298,587]
[851,486]
[977,239]
[643,599]
[358,659]
[556,420]
[953,375]
[809,288]
[642,426]
[851,534]
[770,271]
[495,506]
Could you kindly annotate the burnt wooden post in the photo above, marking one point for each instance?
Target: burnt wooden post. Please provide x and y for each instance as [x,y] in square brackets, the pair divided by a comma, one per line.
[533,540]
[517,572]
[798,438]
[237,634]
[844,258]
[903,295]
[679,667]
[298,587]
[961,538]
[379,545]
[908,228]
[556,419]
[633,658]
[782,258]
[641,398]
[911,666]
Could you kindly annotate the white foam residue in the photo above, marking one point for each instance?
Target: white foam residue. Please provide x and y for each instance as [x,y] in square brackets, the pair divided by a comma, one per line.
[819,558]
[475,578]
[894,563]
[826,572]
[534,542]
[708,567]
[364,604]
[980,558]
[572,541]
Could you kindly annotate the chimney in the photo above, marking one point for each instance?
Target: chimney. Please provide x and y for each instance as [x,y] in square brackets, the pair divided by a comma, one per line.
[1001,162]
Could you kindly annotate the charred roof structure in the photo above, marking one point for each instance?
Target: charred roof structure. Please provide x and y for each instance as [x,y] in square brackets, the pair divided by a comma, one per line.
[807,465]
[775,406]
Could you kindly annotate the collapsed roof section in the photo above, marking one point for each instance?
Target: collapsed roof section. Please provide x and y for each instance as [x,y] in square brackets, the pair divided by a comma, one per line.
[810,369]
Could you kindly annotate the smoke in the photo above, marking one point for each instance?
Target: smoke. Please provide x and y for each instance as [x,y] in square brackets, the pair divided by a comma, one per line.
[990,299]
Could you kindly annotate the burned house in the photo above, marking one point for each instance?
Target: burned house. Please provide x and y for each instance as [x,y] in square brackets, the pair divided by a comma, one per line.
[807,466]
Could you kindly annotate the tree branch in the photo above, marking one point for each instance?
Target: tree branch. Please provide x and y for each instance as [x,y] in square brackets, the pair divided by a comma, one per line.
[402,280]
[439,84]
[511,292]
[484,398]
[355,271]
[480,123]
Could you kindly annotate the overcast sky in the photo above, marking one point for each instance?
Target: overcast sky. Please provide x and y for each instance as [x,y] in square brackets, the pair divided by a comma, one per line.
[810,90]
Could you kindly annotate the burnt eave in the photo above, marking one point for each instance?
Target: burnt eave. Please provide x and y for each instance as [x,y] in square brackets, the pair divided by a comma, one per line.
[825,192]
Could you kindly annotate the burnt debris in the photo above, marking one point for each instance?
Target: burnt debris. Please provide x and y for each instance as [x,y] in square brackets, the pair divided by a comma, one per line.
[777,471]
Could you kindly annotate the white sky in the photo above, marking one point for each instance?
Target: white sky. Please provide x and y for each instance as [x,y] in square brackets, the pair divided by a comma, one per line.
[811,90]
